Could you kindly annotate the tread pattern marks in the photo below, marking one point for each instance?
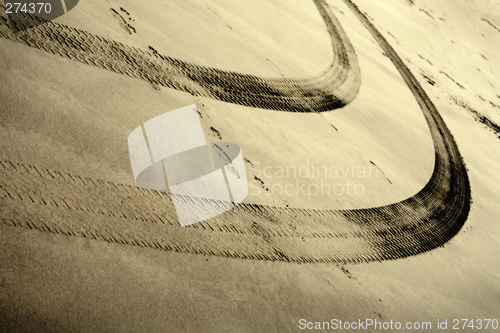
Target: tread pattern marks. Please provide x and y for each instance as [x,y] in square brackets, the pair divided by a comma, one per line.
[334,88]
[51,201]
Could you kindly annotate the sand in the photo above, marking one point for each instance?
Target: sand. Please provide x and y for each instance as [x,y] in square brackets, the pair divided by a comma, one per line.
[78,115]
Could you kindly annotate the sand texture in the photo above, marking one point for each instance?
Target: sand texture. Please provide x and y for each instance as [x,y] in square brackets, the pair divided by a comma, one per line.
[66,184]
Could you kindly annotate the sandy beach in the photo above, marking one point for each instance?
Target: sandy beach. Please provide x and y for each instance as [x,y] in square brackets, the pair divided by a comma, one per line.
[295,84]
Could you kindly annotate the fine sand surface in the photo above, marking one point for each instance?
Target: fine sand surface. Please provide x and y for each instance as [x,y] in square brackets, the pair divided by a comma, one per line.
[77,118]
[128,215]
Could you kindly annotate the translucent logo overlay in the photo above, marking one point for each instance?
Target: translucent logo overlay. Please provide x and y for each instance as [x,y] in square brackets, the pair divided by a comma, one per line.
[170,151]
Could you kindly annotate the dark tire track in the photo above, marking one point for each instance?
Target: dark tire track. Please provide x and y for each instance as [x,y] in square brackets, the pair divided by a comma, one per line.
[48,200]
[334,88]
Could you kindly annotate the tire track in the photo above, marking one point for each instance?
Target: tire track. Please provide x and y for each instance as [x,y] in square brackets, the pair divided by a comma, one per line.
[334,88]
[48,200]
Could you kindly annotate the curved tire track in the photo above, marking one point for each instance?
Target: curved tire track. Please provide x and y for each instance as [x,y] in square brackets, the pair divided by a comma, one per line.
[47,200]
[334,88]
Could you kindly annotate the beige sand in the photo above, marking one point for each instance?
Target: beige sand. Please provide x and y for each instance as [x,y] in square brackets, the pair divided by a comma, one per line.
[65,283]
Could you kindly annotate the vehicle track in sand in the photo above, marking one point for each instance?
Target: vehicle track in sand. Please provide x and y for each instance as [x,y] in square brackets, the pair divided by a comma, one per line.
[334,88]
[48,200]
